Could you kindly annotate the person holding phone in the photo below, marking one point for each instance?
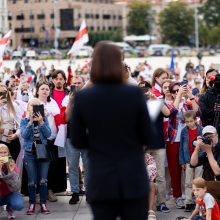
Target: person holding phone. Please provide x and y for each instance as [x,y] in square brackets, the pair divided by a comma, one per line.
[9,122]
[8,195]
[35,130]
[183,101]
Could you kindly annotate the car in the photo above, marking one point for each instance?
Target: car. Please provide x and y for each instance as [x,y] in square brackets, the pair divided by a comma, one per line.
[185,51]
[16,55]
[155,48]
[85,52]
[44,55]
[158,53]
[31,54]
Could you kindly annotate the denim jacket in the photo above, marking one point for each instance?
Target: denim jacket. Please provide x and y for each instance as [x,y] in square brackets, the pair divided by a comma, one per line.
[184,154]
[27,132]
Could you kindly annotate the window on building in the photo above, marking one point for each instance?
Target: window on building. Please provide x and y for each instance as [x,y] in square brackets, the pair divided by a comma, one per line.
[9,17]
[66,19]
[106,16]
[52,15]
[25,1]
[14,1]
[79,15]
[41,16]
[20,17]
[87,16]
[31,17]
[97,16]
[119,17]
[109,28]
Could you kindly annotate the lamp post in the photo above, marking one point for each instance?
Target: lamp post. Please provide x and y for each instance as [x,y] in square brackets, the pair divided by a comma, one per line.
[54,24]
[196,28]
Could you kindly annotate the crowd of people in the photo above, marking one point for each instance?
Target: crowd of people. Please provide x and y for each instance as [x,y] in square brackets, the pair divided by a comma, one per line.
[36,143]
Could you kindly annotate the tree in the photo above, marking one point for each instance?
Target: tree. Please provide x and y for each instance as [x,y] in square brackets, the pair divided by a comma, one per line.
[211,12]
[176,23]
[138,17]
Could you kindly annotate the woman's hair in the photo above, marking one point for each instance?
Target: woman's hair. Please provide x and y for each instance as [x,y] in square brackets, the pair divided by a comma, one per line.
[107,65]
[199,182]
[38,85]
[172,84]
[30,102]
[157,73]
[10,106]
[5,146]
[190,114]
[204,86]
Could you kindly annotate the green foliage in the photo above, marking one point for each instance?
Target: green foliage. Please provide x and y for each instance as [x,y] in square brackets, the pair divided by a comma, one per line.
[95,37]
[211,12]
[176,23]
[139,18]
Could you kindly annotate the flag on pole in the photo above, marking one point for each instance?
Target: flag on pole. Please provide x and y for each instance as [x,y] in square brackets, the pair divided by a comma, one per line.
[81,38]
[3,43]
[172,62]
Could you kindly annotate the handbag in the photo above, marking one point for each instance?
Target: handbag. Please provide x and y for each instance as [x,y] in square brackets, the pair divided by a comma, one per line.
[12,181]
[41,151]
[52,151]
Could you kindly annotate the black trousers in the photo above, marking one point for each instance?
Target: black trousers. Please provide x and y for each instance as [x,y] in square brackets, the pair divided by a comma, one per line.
[57,178]
[132,209]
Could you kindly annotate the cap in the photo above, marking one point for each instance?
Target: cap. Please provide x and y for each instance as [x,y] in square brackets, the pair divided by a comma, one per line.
[209,129]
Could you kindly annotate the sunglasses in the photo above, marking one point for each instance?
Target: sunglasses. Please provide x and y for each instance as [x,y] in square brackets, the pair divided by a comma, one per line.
[175,91]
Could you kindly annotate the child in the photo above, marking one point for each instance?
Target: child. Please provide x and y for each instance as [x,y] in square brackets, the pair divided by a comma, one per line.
[206,206]
[152,173]
[9,183]
[188,135]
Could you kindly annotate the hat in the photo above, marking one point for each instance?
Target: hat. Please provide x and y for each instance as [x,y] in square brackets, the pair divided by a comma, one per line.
[209,129]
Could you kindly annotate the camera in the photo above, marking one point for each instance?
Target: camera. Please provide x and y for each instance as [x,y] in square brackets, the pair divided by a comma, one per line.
[5,159]
[206,140]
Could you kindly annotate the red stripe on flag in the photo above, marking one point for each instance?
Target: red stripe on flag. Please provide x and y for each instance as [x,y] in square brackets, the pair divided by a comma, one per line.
[81,33]
[1,63]
[4,40]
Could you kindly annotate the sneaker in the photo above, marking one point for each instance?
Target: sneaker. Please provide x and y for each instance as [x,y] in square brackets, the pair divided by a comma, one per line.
[31,209]
[151,215]
[51,196]
[163,208]
[10,213]
[74,199]
[180,203]
[189,207]
[44,209]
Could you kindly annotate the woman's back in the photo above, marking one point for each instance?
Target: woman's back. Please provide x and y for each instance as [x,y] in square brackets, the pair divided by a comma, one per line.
[112,121]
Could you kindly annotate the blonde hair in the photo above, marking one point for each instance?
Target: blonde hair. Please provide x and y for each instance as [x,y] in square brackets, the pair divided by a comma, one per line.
[199,182]
[36,100]
[9,103]
[5,147]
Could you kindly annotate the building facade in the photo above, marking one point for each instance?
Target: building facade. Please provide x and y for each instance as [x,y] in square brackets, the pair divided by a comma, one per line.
[34,22]
[3,17]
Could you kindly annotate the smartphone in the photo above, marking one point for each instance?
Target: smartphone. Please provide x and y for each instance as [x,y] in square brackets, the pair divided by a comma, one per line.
[184,82]
[73,89]
[3,95]
[5,159]
[39,108]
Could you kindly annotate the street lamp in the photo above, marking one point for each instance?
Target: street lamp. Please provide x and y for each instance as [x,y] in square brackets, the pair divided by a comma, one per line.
[54,24]
[196,28]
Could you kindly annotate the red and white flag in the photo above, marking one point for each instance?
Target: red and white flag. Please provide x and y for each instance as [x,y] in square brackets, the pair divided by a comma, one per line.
[81,38]
[3,43]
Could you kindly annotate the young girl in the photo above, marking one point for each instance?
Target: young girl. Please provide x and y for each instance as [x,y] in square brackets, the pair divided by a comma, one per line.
[9,195]
[35,129]
[152,173]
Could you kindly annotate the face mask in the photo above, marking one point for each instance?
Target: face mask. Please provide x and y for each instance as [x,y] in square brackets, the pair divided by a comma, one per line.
[25,98]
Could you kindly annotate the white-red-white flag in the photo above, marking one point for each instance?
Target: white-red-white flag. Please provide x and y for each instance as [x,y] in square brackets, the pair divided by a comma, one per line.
[81,38]
[3,43]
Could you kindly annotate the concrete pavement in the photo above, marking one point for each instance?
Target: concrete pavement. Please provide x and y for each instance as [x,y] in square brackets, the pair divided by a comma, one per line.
[81,211]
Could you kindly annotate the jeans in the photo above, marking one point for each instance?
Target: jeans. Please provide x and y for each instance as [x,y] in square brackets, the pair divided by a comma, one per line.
[13,200]
[37,175]
[159,156]
[73,156]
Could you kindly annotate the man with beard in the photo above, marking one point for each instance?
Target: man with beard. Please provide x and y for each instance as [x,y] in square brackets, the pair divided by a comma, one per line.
[58,167]
[73,154]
